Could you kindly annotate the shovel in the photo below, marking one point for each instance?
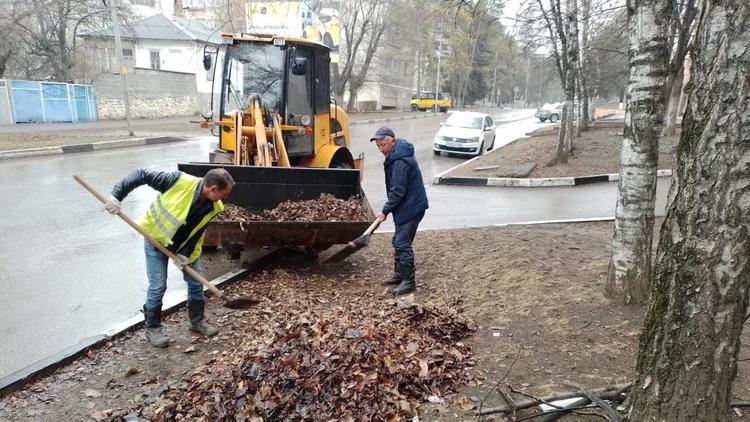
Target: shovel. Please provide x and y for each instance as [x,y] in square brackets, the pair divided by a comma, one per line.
[238,303]
[351,247]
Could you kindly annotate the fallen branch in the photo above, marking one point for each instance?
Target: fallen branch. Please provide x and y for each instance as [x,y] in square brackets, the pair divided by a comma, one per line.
[508,399]
[611,393]
[608,410]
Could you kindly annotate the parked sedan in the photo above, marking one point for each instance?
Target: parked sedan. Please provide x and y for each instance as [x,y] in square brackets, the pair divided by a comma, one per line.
[551,112]
[465,133]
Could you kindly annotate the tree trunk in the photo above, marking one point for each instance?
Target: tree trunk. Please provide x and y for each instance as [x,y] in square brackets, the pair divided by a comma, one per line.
[691,337]
[354,86]
[630,267]
[565,136]
[674,102]
[584,117]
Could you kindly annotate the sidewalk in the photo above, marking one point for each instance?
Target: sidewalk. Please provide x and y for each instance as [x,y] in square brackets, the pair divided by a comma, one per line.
[25,136]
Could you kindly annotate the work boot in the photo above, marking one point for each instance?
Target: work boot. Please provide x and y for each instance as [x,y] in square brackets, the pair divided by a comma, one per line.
[153,327]
[408,284]
[394,279]
[198,320]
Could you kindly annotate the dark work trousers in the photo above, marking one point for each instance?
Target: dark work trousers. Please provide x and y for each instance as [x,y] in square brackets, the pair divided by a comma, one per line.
[402,240]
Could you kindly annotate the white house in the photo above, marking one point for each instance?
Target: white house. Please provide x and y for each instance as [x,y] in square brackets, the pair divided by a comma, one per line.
[163,56]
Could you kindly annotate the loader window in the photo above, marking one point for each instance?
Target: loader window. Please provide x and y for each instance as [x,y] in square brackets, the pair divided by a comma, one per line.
[253,68]
[299,106]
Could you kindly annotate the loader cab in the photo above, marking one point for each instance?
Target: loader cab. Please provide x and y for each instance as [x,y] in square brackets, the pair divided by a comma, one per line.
[292,79]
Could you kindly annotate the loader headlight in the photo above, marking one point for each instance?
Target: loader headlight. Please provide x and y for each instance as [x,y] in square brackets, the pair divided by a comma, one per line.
[305,120]
[207,114]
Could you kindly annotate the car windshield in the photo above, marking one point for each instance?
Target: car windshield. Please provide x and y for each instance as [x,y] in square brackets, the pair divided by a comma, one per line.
[253,68]
[464,120]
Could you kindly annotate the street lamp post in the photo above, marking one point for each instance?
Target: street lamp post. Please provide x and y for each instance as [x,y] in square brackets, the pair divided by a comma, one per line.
[437,77]
[122,69]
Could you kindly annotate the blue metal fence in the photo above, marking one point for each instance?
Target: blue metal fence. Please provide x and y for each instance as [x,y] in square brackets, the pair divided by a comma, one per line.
[45,102]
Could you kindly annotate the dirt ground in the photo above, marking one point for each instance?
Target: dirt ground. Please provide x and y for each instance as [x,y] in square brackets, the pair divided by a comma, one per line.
[534,294]
[597,151]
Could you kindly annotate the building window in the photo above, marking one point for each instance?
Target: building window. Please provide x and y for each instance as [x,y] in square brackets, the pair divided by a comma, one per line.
[194,4]
[155,59]
[127,58]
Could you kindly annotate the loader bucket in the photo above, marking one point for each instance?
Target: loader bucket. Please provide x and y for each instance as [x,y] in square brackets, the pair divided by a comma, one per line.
[264,188]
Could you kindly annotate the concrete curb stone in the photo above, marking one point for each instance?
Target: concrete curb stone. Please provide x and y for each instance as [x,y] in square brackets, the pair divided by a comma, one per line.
[391,119]
[535,183]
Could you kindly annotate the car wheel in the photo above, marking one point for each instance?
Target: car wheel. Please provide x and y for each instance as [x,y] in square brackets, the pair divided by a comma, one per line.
[481,149]
[542,120]
[492,145]
[436,152]
[443,110]
[554,118]
[414,108]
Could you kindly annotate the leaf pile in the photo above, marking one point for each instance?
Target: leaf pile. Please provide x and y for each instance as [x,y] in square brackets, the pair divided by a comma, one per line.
[325,208]
[357,365]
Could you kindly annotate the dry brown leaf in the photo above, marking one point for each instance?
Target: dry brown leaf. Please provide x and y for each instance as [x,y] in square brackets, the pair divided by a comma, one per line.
[423,368]
[132,371]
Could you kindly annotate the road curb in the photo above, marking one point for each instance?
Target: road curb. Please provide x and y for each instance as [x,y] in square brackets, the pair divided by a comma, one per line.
[391,119]
[508,182]
[50,364]
[96,146]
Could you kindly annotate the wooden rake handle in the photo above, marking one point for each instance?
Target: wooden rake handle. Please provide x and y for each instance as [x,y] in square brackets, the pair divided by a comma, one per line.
[195,274]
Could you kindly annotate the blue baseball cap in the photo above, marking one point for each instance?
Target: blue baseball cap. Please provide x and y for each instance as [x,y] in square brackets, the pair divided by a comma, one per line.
[382,133]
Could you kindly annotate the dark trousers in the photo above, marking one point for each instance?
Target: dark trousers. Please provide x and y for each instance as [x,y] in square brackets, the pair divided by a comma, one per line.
[402,240]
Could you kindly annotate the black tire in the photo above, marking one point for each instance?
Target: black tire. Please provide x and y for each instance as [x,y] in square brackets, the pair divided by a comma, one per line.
[542,120]
[554,118]
[414,108]
[340,165]
[436,152]
[492,145]
[481,149]
[443,110]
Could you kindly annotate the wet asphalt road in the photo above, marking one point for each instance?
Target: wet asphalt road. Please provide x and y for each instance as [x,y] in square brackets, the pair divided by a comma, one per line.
[68,270]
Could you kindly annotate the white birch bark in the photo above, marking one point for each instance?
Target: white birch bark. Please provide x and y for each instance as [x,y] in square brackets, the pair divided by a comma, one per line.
[691,337]
[630,266]
[565,136]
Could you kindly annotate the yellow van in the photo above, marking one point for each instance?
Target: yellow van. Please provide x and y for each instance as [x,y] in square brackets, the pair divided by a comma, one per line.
[426,101]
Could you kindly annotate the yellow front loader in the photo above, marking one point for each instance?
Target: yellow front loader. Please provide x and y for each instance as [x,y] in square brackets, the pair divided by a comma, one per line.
[281,138]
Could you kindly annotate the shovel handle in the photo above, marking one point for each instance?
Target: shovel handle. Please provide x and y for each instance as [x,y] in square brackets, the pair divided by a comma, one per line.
[374,226]
[195,274]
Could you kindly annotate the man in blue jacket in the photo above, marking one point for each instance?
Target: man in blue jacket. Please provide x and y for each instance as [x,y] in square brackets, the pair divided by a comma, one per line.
[407,201]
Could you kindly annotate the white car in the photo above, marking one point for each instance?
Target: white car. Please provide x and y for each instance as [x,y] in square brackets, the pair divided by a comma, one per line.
[551,112]
[465,133]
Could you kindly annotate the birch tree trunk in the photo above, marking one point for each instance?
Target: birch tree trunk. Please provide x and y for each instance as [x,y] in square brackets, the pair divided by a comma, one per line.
[583,97]
[630,266]
[670,122]
[565,136]
[691,337]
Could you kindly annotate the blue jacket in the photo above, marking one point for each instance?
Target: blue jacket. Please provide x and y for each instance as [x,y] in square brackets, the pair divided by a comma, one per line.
[403,184]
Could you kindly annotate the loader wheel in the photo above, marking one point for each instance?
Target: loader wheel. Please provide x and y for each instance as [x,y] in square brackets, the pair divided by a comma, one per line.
[340,165]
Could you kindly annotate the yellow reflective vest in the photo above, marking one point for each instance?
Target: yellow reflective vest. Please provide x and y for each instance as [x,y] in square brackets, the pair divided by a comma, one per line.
[169,211]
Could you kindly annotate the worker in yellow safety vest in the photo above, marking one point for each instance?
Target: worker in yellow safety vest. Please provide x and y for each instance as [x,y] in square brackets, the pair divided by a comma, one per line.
[177,220]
